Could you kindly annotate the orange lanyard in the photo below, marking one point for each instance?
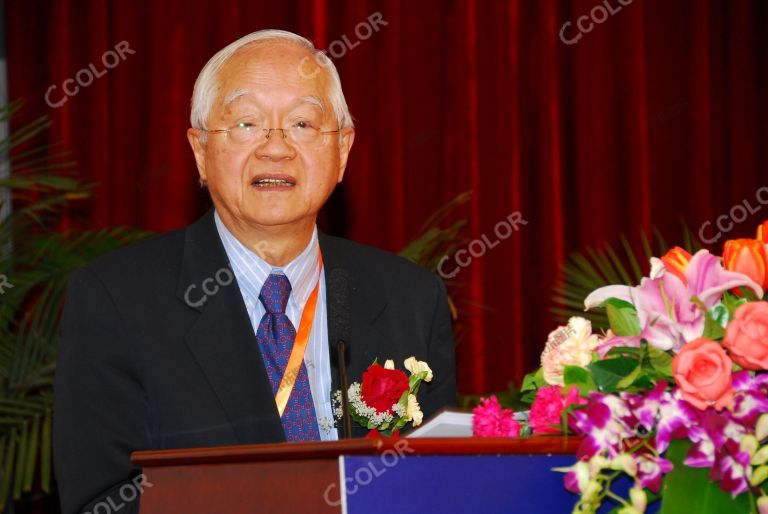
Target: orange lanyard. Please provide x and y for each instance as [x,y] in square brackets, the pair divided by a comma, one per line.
[293,367]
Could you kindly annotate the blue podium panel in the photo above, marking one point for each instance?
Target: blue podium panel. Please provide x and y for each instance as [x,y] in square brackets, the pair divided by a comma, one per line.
[456,483]
[487,484]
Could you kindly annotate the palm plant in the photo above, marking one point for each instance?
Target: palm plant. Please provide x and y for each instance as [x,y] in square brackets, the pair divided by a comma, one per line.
[35,262]
[432,243]
[583,272]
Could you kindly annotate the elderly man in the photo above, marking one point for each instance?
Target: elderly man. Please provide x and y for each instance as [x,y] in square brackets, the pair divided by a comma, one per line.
[187,339]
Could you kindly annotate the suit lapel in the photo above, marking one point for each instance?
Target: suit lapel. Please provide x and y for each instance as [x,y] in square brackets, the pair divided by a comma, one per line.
[222,339]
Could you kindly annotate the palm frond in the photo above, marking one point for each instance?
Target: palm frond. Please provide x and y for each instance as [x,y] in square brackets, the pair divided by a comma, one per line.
[37,261]
[583,272]
[433,242]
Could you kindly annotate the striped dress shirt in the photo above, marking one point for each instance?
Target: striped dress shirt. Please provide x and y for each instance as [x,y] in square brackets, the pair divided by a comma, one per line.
[251,271]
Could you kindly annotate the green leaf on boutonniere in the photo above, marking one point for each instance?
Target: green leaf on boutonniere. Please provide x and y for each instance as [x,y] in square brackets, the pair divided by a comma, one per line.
[578,376]
[608,373]
[415,380]
[622,317]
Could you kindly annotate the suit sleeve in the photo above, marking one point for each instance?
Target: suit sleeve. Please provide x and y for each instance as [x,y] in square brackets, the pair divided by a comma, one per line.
[100,406]
[442,356]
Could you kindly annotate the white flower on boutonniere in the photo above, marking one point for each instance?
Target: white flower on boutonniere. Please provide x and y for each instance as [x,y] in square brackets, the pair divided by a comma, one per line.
[416,367]
[413,411]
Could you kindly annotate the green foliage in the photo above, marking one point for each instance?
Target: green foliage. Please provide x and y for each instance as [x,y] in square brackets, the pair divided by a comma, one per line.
[36,260]
[532,382]
[432,243]
[622,317]
[688,489]
[616,373]
[631,369]
[580,377]
[583,272]
[659,361]
[509,399]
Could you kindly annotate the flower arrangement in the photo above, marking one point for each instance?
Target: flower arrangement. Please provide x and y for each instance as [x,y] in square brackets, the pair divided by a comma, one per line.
[681,366]
[386,400]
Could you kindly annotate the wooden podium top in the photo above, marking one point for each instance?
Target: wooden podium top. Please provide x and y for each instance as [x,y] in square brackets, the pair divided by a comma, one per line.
[536,445]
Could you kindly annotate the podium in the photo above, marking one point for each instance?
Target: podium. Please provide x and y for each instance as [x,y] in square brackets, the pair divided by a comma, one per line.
[361,476]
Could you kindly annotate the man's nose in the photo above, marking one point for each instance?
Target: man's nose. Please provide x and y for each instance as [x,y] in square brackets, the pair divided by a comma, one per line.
[275,145]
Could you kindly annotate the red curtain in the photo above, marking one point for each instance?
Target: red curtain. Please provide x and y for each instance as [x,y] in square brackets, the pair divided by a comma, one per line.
[589,118]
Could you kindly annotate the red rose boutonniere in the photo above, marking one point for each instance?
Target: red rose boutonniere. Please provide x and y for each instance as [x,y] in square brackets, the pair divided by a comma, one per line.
[386,399]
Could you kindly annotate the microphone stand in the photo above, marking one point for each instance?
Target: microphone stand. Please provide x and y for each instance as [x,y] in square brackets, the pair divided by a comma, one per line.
[341,347]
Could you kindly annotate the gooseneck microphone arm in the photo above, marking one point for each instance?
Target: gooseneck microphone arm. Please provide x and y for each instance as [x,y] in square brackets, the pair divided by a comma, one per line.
[340,329]
[341,348]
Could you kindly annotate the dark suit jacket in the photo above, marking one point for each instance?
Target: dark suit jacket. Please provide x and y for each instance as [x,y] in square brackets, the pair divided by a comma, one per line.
[140,368]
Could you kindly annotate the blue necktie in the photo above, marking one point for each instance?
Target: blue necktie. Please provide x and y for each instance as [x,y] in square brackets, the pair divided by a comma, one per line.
[275,335]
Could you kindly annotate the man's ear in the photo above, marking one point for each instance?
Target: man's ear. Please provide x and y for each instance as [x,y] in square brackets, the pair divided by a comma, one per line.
[347,137]
[198,148]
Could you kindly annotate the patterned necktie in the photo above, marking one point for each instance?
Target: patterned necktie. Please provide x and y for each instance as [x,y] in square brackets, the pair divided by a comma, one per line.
[275,335]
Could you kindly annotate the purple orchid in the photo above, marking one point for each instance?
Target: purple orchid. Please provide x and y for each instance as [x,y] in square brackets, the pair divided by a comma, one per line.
[732,469]
[643,408]
[600,423]
[665,303]
[751,397]
[702,453]
[576,477]
[650,470]
[675,419]
[715,433]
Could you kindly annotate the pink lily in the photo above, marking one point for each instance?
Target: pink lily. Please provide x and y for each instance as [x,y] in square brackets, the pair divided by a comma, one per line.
[667,305]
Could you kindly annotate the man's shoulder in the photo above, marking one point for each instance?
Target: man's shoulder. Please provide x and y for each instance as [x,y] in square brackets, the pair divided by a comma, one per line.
[377,265]
[154,255]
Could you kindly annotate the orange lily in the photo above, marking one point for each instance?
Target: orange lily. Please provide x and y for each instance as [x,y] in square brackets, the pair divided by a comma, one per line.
[675,261]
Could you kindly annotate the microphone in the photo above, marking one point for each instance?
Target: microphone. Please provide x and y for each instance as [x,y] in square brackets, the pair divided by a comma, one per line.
[341,328]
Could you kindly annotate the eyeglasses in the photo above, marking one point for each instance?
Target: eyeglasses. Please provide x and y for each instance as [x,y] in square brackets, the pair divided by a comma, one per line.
[301,133]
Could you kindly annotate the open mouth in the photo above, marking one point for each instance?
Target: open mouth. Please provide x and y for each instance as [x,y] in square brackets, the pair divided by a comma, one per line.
[273,182]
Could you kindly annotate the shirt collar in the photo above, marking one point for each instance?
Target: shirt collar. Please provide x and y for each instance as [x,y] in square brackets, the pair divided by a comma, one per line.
[252,271]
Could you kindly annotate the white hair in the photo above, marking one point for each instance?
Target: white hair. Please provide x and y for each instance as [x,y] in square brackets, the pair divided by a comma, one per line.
[207,85]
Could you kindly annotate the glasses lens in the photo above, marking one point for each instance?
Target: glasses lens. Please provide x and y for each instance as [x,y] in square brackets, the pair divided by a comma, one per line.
[243,133]
[304,134]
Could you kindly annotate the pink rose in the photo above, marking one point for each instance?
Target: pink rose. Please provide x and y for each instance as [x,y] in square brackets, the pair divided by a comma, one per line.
[547,409]
[746,336]
[702,371]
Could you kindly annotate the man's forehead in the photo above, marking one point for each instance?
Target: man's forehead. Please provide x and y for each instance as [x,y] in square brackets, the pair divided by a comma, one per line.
[254,70]
[245,95]
[274,60]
